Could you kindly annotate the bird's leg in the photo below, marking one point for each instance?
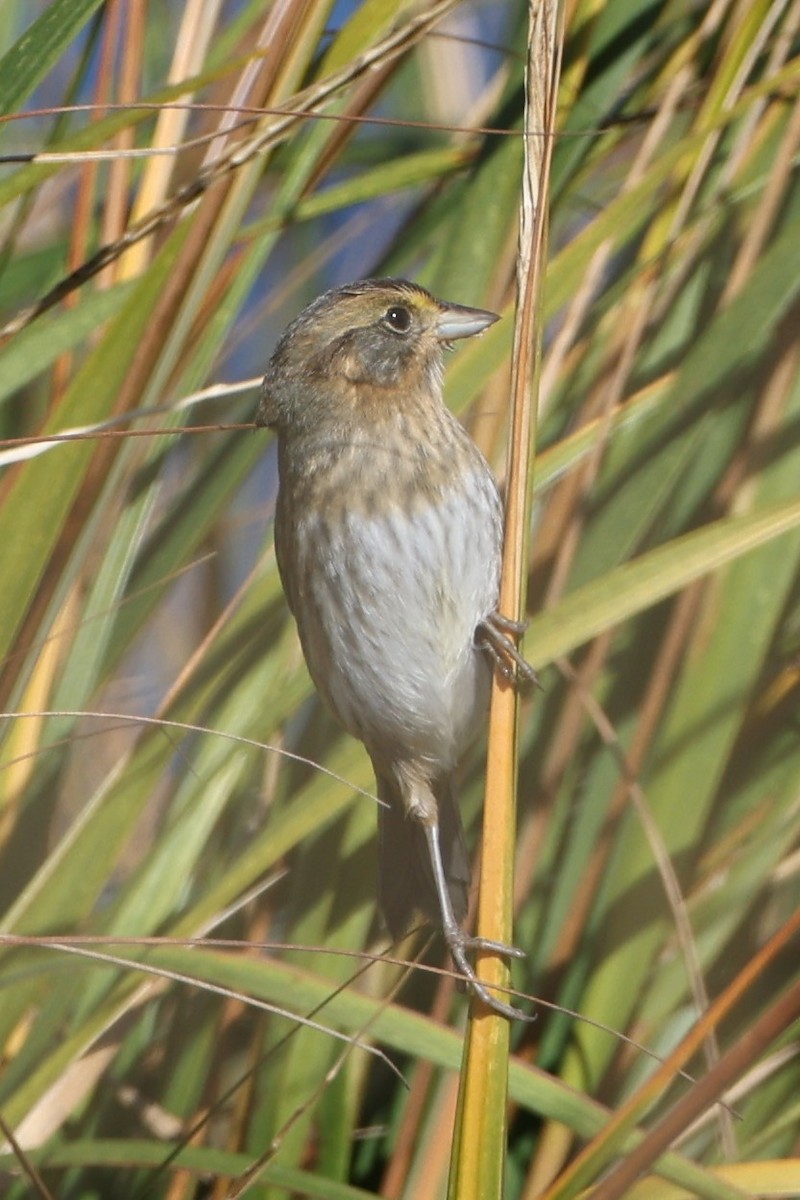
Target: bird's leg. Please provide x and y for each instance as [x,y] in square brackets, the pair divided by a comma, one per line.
[459,942]
[495,635]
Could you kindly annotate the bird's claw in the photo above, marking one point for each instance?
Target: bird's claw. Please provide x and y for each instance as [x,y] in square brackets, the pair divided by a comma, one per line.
[458,942]
[494,635]
[507,624]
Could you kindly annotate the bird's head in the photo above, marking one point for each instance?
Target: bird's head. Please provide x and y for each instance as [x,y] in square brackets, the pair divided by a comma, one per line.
[362,347]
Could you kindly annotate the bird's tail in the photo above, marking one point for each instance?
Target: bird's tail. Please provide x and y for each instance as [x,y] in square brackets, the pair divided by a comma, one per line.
[406,884]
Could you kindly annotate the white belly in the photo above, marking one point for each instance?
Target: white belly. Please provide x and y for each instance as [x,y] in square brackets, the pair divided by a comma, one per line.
[398,600]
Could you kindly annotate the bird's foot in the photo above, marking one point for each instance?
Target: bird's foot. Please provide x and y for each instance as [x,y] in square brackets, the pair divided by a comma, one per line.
[495,635]
[458,943]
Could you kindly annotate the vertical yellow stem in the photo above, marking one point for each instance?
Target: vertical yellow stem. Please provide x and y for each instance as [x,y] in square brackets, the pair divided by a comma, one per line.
[477,1164]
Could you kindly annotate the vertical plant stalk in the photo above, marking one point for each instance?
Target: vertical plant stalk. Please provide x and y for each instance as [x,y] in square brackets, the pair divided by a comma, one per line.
[477,1164]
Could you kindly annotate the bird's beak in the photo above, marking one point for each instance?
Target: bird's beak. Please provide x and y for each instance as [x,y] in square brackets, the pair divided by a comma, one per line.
[456,321]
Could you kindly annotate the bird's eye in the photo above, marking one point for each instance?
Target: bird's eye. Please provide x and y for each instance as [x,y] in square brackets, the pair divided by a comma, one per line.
[398,318]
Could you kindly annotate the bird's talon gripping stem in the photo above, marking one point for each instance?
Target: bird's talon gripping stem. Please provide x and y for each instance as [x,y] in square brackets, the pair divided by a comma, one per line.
[505,951]
[459,942]
[494,635]
[507,625]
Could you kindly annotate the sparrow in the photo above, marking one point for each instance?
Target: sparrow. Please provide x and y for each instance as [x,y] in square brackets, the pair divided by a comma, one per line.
[388,538]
